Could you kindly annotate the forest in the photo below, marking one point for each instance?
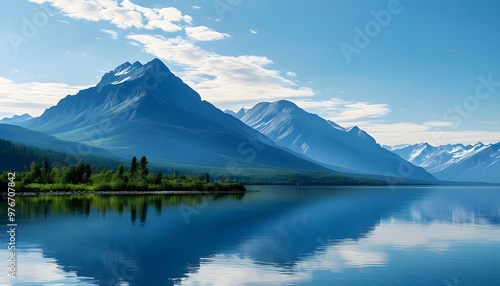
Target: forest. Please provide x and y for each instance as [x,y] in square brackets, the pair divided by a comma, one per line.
[45,170]
[40,176]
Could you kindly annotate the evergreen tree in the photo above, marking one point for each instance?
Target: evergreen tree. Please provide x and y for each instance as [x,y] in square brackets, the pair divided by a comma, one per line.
[34,173]
[69,175]
[143,163]
[78,173]
[133,167]
[87,173]
[45,171]
[121,169]
[158,178]
[46,164]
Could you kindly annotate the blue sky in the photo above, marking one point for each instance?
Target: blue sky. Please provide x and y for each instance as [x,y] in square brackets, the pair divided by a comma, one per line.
[404,71]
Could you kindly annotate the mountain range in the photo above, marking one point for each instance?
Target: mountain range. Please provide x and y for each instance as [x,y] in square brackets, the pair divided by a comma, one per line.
[348,150]
[455,162]
[144,109]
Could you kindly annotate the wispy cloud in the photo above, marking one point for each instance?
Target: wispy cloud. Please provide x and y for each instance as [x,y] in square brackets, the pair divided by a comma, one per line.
[253,31]
[345,112]
[433,133]
[112,33]
[466,53]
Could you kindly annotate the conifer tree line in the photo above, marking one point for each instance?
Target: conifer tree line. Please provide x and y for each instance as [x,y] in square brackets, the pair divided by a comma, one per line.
[40,176]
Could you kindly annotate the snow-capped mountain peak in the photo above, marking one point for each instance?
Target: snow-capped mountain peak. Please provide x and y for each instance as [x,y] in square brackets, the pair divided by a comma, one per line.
[129,72]
[478,162]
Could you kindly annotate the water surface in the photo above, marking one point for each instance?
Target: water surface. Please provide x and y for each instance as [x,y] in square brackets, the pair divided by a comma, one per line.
[282,235]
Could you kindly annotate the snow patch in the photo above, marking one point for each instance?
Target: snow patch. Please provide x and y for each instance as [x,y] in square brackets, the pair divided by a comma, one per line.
[121,81]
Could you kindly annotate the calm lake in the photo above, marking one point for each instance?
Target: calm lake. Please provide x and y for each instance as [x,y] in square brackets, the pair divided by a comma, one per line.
[281,235]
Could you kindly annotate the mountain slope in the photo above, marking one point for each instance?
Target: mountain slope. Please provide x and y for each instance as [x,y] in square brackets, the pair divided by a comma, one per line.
[348,150]
[455,162]
[38,139]
[17,157]
[141,109]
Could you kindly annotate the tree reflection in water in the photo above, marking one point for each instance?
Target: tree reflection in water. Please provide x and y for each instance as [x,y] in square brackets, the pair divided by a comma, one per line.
[35,207]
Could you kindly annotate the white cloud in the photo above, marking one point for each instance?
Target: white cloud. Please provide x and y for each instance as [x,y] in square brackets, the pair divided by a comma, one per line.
[226,81]
[113,34]
[439,123]
[253,31]
[196,7]
[290,73]
[124,15]
[203,33]
[33,97]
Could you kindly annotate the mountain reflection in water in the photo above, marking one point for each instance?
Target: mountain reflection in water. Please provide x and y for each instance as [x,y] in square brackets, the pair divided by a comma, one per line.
[281,235]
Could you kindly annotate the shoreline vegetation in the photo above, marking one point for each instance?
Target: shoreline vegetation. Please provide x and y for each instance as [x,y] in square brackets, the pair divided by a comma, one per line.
[126,193]
[41,179]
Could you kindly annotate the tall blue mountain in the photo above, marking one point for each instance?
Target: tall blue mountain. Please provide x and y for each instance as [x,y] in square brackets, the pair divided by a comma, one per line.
[145,109]
[349,150]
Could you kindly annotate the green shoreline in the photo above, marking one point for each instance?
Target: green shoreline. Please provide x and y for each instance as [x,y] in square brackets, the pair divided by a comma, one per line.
[127,193]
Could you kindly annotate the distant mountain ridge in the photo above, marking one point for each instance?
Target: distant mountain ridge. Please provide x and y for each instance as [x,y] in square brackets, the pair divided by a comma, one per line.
[348,150]
[16,119]
[455,162]
[238,114]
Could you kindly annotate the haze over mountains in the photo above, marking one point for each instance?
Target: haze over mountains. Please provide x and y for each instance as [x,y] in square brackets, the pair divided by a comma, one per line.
[144,109]
[455,162]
